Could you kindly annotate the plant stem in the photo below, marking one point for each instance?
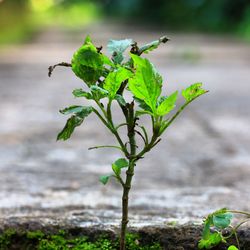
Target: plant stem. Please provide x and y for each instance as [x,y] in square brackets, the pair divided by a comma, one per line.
[239,212]
[129,175]
[125,199]
[105,146]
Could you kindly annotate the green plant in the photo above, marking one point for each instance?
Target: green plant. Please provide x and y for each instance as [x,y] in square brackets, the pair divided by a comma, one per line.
[220,222]
[107,80]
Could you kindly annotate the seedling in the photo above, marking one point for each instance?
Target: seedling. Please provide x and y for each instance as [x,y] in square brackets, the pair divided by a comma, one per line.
[106,81]
[216,228]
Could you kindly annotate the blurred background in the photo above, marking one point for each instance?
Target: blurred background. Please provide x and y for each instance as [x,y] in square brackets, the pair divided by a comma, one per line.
[20,20]
[203,161]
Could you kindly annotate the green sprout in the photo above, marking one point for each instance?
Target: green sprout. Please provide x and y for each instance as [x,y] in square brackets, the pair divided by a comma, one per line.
[106,81]
[217,224]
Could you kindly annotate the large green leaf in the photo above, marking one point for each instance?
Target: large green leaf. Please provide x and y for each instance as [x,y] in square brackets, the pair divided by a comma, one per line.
[74,121]
[114,80]
[88,63]
[167,105]
[117,48]
[146,82]
[153,45]
[193,91]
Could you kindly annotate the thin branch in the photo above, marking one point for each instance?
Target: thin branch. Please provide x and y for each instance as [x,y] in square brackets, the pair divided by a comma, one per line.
[156,142]
[239,212]
[105,146]
[119,178]
[145,142]
[121,125]
[102,119]
[236,238]
[113,131]
[145,133]
[100,105]
[178,112]
[63,64]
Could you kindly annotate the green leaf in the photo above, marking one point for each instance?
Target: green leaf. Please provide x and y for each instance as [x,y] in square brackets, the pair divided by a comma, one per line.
[87,40]
[222,220]
[193,91]
[104,179]
[120,100]
[142,112]
[121,163]
[213,240]
[118,165]
[114,80]
[82,93]
[80,112]
[153,45]
[98,92]
[161,99]
[232,247]
[117,48]
[76,109]
[88,63]
[73,122]
[146,82]
[142,104]
[167,105]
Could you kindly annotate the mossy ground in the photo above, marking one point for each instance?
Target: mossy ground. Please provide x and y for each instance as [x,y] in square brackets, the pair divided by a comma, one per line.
[11,239]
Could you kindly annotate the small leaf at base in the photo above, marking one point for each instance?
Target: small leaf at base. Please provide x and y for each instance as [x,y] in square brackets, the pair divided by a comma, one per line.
[232,247]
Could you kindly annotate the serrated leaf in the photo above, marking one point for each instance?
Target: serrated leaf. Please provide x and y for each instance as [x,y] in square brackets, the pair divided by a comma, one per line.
[153,45]
[114,80]
[120,100]
[167,105]
[88,63]
[161,99]
[104,179]
[80,112]
[73,122]
[232,247]
[146,82]
[82,93]
[193,91]
[118,165]
[117,48]
[87,39]
[213,240]
[222,220]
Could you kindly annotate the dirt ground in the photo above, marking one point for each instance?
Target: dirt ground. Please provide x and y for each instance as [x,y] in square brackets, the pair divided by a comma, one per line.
[201,164]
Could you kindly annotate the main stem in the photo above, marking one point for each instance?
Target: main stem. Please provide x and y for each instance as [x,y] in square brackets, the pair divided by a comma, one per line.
[129,175]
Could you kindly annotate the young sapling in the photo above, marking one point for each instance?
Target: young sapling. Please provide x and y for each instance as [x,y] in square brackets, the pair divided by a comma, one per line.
[107,80]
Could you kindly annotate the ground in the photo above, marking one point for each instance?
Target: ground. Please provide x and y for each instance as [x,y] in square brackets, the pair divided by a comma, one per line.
[201,164]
